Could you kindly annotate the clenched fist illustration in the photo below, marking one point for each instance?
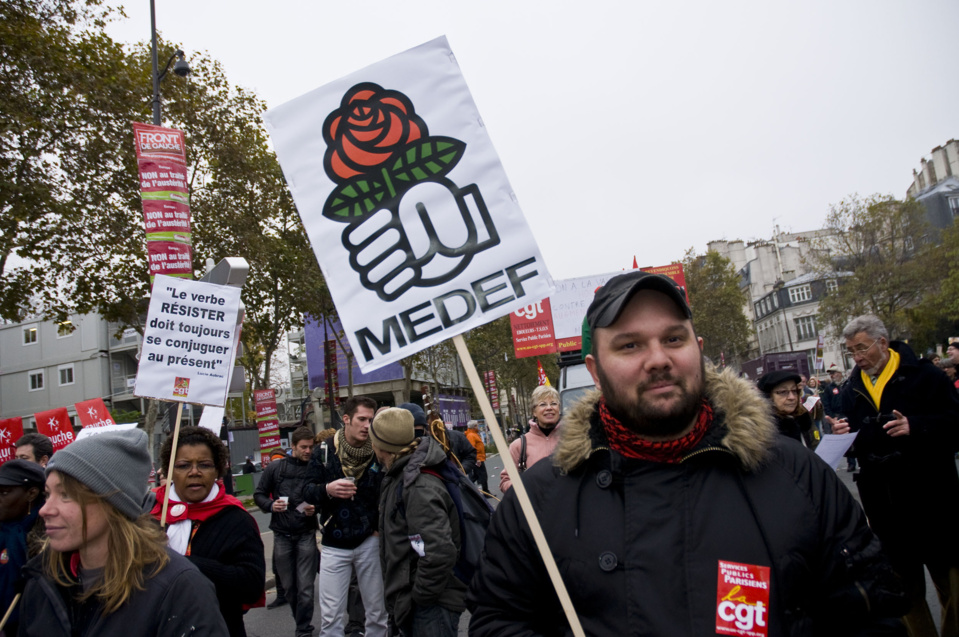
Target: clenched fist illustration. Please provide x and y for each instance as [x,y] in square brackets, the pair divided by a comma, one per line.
[427,239]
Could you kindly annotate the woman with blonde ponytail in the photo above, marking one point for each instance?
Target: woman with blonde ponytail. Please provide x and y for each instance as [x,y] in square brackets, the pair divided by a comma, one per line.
[419,530]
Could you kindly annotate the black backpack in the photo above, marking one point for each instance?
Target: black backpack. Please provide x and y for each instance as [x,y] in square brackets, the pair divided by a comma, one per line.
[472,508]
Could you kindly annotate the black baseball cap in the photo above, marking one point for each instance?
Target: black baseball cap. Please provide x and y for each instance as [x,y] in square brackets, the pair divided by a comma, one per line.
[21,473]
[610,299]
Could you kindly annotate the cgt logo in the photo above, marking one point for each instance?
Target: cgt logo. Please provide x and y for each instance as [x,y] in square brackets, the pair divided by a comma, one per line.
[386,166]
[744,616]
[181,387]
[742,599]
[531,311]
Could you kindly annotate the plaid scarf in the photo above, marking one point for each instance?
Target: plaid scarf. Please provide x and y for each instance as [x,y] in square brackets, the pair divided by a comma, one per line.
[627,443]
[354,460]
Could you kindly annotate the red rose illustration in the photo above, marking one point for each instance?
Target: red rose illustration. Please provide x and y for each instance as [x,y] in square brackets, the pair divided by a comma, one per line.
[371,126]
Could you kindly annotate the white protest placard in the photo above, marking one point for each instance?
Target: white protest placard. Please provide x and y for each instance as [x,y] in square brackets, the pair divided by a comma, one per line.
[212,419]
[187,344]
[406,205]
[569,304]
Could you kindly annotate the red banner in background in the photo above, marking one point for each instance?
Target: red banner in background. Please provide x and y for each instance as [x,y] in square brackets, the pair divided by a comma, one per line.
[561,315]
[165,191]
[93,413]
[264,402]
[533,330]
[55,424]
[11,430]
[166,216]
[675,272]
[489,379]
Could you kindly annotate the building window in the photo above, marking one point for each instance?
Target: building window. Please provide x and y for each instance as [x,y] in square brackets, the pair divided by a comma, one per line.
[799,294]
[806,327]
[831,286]
[65,329]
[29,334]
[66,374]
[36,380]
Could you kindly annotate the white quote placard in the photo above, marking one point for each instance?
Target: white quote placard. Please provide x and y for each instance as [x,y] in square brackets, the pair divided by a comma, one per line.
[188,342]
[406,205]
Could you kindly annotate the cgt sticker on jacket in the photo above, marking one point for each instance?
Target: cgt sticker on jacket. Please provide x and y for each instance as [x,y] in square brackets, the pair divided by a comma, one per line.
[406,205]
[742,599]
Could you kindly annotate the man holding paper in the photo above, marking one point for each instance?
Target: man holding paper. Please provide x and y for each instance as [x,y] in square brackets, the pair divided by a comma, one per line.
[673,508]
[907,416]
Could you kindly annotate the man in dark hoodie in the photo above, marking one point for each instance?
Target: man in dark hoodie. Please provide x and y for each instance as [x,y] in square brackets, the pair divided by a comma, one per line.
[674,509]
[294,527]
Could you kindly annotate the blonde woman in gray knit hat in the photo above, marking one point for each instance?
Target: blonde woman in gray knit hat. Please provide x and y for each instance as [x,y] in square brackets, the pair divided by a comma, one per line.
[419,530]
[106,569]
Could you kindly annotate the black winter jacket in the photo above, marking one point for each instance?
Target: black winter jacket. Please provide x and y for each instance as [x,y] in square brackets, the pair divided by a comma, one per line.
[638,543]
[346,523]
[908,484]
[285,477]
[227,549]
[177,601]
[832,400]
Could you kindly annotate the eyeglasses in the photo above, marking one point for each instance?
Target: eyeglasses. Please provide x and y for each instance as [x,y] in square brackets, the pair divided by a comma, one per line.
[544,405]
[784,393]
[186,467]
[860,350]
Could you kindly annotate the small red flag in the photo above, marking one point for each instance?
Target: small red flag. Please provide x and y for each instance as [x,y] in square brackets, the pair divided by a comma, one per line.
[11,429]
[93,413]
[55,424]
[635,265]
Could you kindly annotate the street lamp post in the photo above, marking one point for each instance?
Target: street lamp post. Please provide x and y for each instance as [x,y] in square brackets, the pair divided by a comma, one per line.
[181,67]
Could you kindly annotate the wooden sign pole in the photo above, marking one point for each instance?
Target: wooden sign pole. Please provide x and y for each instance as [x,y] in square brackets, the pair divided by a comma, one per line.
[517,485]
[169,471]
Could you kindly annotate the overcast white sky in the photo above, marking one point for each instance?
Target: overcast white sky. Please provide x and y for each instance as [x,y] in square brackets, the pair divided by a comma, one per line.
[636,128]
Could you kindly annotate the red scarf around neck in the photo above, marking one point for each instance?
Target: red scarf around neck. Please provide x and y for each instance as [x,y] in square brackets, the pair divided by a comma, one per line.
[627,443]
[200,511]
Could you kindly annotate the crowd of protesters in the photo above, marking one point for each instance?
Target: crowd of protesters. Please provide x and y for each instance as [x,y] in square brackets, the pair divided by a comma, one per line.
[676,500]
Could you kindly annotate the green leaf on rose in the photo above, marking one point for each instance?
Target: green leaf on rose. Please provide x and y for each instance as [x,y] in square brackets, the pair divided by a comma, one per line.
[357,197]
[426,159]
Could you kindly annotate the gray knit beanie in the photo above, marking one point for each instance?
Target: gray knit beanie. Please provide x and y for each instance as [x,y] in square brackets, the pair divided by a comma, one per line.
[115,465]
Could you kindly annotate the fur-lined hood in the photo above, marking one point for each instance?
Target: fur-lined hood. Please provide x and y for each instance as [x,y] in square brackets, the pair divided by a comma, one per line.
[745,414]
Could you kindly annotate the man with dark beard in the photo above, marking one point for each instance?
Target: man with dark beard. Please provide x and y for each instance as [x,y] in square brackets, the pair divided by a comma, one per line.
[673,508]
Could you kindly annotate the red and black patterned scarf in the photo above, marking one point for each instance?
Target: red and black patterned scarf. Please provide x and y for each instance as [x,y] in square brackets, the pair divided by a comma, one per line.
[629,444]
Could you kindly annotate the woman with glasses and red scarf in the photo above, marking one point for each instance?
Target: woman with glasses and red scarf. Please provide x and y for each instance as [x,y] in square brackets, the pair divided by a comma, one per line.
[782,390]
[211,528]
